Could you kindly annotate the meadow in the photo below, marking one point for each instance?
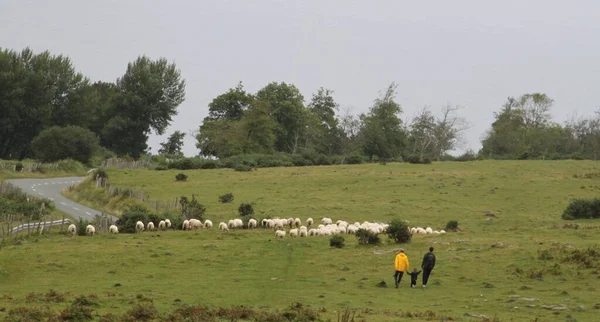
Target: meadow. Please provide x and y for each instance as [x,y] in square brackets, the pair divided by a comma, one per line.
[514,258]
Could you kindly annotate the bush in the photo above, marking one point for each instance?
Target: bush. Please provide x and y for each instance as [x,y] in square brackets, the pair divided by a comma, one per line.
[354,158]
[245,209]
[452,225]
[76,312]
[71,142]
[181,177]
[337,241]
[191,208]
[226,198]
[467,156]
[582,209]
[398,231]
[365,237]
[127,221]
[81,226]
[415,159]
[143,311]
[242,168]
[161,167]
[100,173]
[23,314]
[19,167]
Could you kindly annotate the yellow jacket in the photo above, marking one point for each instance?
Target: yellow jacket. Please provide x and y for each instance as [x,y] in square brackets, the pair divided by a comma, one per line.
[401,262]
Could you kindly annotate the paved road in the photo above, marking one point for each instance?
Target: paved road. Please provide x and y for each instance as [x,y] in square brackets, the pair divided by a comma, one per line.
[51,188]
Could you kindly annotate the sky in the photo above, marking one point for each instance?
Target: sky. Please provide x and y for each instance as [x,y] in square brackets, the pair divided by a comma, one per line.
[472,54]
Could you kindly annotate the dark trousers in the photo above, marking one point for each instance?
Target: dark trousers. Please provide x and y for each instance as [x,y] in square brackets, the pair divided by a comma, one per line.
[413,282]
[398,277]
[426,272]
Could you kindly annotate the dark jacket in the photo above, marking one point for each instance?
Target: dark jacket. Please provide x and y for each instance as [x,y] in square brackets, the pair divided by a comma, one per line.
[413,276]
[428,261]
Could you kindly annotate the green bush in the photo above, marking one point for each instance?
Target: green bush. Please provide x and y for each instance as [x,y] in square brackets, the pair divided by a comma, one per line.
[181,177]
[245,209]
[415,159]
[81,226]
[127,221]
[366,237]
[582,209]
[336,241]
[143,311]
[69,165]
[242,168]
[100,173]
[19,167]
[76,312]
[354,158]
[161,167]
[71,142]
[398,231]
[452,225]
[191,208]
[226,198]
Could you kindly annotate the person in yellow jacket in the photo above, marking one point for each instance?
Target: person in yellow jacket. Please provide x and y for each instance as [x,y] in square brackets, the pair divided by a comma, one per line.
[401,265]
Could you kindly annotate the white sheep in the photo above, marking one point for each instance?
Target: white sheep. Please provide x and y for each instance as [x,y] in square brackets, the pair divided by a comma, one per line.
[252,223]
[139,227]
[442,231]
[435,232]
[185,225]
[208,224]
[72,229]
[297,222]
[294,232]
[429,230]
[290,222]
[263,223]
[309,222]
[162,225]
[223,226]
[280,233]
[312,232]
[168,222]
[90,230]
[413,230]
[195,224]
[238,223]
[113,229]
[326,221]
[151,226]
[352,230]
[303,233]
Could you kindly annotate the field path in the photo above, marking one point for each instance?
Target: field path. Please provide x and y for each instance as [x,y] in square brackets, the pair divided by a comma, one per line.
[51,188]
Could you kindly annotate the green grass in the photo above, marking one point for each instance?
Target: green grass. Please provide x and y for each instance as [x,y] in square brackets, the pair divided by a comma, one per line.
[252,268]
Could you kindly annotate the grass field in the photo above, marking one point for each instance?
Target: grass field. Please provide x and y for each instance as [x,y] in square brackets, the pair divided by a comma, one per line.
[520,265]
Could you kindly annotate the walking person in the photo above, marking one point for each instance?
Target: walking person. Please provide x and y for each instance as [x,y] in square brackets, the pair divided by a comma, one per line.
[401,266]
[413,278]
[427,265]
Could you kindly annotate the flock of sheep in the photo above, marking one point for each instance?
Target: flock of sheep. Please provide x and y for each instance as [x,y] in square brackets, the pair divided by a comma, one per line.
[296,229]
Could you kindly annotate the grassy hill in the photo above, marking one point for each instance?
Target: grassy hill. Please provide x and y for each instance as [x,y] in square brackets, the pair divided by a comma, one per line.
[522,263]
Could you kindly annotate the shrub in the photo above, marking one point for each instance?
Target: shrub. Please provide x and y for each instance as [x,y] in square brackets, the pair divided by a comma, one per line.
[467,156]
[81,226]
[336,241]
[354,158]
[226,198]
[398,231]
[242,168]
[127,221]
[76,312]
[191,208]
[452,225]
[71,142]
[22,314]
[181,177]
[415,159]
[143,311]
[365,237]
[100,173]
[245,209]
[161,167]
[19,167]
[582,209]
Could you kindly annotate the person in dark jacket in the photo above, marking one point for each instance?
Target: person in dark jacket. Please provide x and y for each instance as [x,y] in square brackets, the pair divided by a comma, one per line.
[413,277]
[428,265]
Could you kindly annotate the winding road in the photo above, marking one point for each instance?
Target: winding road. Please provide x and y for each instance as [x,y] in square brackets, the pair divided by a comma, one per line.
[51,189]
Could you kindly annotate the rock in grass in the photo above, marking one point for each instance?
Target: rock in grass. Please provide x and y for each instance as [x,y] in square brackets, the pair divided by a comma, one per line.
[382,284]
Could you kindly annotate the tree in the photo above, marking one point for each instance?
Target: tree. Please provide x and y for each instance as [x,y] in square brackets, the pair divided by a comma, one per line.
[350,126]
[230,105]
[173,145]
[382,133]
[150,92]
[285,104]
[536,109]
[448,131]
[71,142]
[322,124]
[422,135]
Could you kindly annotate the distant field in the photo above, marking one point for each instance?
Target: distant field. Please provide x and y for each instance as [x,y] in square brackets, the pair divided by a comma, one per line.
[491,267]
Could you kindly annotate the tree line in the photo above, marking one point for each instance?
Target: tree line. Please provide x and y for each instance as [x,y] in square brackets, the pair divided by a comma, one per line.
[50,111]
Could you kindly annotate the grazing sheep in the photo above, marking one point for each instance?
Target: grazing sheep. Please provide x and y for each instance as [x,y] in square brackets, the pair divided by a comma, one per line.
[231,223]
[168,222]
[278,223]
[252,223]
[208,224]
[263,223]
[297,222]
[223,226]
[352,230]
[162,225]
[342,230]
[294,232]
[290,222]
[139,227]
[280,233]
[270,223]
[195,224]
[303,233]
[72,229]
[312,232]
[309,222]
[303,228]
[413,230]
[435,232]
[186,225]
[113,229]
[326,221]
[442,231]
[321,226]
[90,230]
[151,226]
[429,230]
[238,223]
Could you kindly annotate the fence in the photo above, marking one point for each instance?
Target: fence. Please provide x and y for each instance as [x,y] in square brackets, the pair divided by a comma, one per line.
[157,205]
[13,225]
[126,164]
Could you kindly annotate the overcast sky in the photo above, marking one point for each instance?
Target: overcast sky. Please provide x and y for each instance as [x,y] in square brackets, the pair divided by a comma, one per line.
[469,53]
